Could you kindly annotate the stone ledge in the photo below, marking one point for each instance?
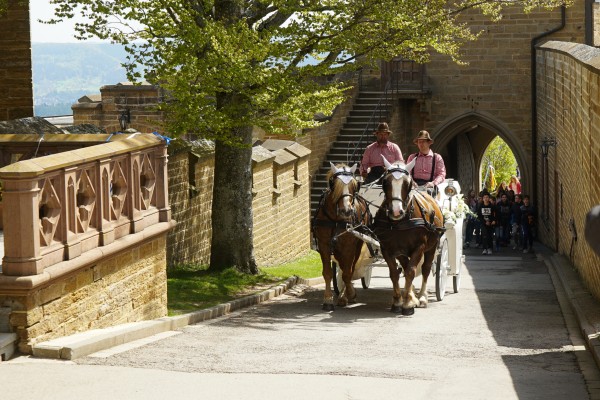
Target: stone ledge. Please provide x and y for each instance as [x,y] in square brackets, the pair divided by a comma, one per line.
[22,285]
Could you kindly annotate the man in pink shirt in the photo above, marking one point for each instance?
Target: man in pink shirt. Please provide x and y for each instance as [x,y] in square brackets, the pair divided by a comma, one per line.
[371,167]
[429,170]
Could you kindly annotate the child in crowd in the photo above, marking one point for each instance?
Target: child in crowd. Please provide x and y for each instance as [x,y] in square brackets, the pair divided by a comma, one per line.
[487,216]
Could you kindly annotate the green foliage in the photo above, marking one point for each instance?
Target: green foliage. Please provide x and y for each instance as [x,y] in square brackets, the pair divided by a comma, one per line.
[500,156]
[232,64]
[193,287]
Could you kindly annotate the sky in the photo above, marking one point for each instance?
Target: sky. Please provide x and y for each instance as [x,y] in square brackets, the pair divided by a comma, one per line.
[60,33]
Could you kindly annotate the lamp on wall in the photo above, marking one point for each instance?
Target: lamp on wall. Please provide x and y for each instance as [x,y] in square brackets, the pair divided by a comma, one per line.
[547,142]
[124,119]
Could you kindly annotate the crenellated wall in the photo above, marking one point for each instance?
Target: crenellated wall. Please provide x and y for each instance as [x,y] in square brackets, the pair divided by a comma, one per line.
[568,104]
[280,206]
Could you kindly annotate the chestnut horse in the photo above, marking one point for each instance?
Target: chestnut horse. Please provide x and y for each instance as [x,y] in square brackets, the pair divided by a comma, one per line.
[340,208]
[408,225]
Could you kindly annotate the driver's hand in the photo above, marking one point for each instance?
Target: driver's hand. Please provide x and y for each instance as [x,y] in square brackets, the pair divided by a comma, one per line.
[429,185]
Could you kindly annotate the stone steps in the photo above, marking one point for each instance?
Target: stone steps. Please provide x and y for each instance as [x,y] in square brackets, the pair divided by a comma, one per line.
[7,340]
[7,345]
[350,138]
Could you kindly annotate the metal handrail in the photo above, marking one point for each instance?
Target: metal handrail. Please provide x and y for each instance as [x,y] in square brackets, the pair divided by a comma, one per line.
[378,111]
[392,86]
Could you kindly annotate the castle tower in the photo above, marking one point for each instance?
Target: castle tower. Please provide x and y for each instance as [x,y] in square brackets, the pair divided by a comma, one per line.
[16,89]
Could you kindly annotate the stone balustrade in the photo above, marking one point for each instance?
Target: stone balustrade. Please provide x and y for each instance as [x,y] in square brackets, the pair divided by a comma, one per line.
[64,205]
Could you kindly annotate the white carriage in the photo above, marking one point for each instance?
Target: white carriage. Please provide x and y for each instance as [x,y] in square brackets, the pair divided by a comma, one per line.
[449,256]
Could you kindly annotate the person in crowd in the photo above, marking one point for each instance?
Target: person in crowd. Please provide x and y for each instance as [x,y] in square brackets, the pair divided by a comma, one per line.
[515,220]
[471,202]
[503,226]
[528,216]
[501,189]
[487,216]
[371,167]
[511,196]
[429,170]
[514,184]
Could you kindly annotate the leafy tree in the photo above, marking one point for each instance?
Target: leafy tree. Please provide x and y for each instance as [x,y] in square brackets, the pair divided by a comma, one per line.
[231,65]
[498,155]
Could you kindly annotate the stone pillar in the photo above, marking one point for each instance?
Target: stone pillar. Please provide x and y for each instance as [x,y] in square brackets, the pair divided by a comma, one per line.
[16,88]
[21,228]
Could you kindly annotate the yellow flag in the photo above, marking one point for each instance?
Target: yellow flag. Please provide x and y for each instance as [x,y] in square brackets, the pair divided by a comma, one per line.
[492,180]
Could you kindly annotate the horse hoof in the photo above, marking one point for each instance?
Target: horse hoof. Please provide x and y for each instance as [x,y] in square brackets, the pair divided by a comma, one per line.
[396,309]
[327,307]
[408,311]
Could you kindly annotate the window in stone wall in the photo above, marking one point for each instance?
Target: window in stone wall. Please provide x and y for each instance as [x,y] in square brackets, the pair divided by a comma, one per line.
[297,181]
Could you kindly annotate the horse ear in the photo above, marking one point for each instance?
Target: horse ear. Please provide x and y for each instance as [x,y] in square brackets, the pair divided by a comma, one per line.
[411,164]
[386,162]
[334,169]
[353,169]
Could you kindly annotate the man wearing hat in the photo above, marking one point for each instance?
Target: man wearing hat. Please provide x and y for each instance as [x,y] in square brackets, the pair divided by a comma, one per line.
[429,169]
[371,167]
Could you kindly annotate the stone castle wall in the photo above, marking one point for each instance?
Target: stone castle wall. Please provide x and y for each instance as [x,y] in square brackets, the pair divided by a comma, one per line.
[569,110]
[128,287]
[16,89]
[495,85]
[281,210]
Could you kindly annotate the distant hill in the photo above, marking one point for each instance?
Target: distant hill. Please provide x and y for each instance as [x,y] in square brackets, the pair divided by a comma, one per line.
[63,72]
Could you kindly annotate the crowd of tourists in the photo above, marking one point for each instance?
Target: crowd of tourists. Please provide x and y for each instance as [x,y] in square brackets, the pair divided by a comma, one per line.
[503,218]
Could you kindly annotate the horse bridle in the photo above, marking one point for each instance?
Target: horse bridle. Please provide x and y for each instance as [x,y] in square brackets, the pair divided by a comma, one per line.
[405,172]
[351,195]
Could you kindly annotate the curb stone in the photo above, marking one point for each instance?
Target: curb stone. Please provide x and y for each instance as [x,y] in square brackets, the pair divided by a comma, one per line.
[85,343]
[585,307]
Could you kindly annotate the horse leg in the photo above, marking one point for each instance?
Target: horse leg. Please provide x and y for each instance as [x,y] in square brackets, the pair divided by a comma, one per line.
[394,277]
[425,272]
[327,276]
[348,294]
[409,300]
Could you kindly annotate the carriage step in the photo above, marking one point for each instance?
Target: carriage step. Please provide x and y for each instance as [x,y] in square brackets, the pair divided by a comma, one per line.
[7,345]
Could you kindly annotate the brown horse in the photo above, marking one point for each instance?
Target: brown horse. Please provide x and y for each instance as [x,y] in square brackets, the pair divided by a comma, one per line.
[408,225]
[340,208]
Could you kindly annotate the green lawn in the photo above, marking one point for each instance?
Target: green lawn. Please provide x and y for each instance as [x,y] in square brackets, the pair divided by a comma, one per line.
[192,287]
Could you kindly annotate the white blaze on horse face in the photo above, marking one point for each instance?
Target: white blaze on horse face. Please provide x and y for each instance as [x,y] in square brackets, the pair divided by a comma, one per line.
[397,206]
[346,197]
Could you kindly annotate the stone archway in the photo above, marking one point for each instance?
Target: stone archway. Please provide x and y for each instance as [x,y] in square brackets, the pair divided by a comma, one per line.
[466,136]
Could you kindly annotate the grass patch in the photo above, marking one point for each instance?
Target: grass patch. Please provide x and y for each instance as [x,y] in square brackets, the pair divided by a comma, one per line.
[192,287]
[308,266]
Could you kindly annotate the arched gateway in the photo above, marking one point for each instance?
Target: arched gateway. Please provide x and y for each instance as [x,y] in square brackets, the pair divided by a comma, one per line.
[463,139]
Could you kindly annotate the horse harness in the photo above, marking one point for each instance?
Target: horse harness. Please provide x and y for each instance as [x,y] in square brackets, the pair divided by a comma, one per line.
[337,227]
[427,217]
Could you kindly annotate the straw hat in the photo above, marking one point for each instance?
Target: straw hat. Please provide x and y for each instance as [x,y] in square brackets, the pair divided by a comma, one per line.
[383,127]
[423,135]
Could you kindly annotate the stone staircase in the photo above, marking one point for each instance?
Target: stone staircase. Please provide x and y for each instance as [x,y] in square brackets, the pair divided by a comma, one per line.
[7,340]
[370,108]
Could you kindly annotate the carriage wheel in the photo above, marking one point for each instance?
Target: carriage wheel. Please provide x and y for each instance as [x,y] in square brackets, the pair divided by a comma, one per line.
[442,267]
[366,280]
[338,282]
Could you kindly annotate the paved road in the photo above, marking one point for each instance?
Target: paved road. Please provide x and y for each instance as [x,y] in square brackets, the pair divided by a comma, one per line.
[502,337]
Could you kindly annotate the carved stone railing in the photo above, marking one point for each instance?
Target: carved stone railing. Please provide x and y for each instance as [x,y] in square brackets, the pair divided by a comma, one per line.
[60,206]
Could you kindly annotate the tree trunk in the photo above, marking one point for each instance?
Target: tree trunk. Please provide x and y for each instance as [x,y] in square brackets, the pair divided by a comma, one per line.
[232,232]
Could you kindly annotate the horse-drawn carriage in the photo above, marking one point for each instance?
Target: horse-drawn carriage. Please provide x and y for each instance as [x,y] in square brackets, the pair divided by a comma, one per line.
[410,227]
